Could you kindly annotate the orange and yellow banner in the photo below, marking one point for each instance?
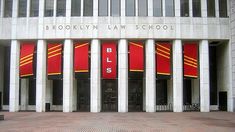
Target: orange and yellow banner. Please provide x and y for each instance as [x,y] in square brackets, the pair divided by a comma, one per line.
[136,56]
[54,59]
[81,59]
[191,60]
[26,59]
[163,58]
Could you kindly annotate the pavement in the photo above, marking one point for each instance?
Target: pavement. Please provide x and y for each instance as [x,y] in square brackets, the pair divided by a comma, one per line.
[118,122]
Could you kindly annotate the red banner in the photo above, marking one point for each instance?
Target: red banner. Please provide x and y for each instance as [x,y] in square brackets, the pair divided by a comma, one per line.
[191,60]
[163,58]
[136,56]
[26,59]
[54,59]
[81,57]
[109,60]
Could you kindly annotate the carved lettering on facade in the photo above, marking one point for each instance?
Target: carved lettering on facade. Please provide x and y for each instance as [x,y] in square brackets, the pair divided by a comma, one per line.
[113,27]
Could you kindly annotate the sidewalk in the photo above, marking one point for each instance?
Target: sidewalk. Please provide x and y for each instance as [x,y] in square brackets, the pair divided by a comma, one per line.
[118,122]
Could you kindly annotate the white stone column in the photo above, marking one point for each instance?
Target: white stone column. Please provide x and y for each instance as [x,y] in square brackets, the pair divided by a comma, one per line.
[217,8]
[190,8]
[82,3]
[204,8]
[41,76]
[68,76]
[54,8]
[123,7]
[150,8]
[232,50]
[28,8]
[122,75]
[95,8]
[14,76]
[177,8]
[204,76]
[24,94]
[163,8]
[150,75]
[177,76]
[136,8]
[109,7]
[95,76]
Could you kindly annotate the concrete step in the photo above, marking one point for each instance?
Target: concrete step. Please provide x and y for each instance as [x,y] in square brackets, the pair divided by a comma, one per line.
[1,117]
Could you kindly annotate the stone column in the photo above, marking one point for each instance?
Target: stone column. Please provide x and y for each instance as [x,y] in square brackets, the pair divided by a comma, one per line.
[54,8]
[41,76]
[163,8]
[1,8]
[95,8]
[217,8]
[136,8]
[123,7]
[95,76]
[14,76]
[68,76]
[190,8]
[204,76]
[24,94]
[150,75]
[177,8]
[204,8]
[28,8]
[122,76]
[232,45]
[150,8]
[82,1]
[177,76]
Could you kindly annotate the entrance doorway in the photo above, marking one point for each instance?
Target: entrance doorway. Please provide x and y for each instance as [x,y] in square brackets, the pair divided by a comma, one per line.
[109,95]
[57,92]
[83,92]
[223,101]
[187,92]
[135,95]
[161,92]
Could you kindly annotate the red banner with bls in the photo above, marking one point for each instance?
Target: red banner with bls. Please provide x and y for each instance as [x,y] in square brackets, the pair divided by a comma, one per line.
[81,57]
[109,60]
[54,59]
[190,60]
[26,59]
[163,58]
[136,56]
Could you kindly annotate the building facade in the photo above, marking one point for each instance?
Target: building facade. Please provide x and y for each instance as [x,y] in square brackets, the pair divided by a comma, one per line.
[117,55]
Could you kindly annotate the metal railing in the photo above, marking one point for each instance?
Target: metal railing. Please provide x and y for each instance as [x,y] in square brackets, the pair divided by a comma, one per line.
[192,107]
[169,107]
[164,108]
